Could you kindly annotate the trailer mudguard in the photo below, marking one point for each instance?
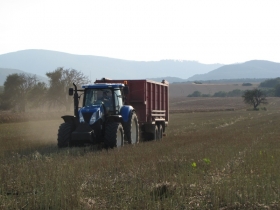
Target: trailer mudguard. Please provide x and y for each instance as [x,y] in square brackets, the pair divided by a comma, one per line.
[125,112]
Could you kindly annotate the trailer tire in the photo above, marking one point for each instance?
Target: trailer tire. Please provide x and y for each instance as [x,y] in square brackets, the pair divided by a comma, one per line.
[114,135]
[160,132]
[155,133]
[131,129]
[64,134]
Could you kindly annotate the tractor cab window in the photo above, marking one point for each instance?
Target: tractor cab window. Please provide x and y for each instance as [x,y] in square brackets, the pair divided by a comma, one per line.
[98,96]
[118,99]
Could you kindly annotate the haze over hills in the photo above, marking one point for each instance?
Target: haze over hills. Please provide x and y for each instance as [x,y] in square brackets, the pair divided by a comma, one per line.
[42,61]
[249,69]
[4,72]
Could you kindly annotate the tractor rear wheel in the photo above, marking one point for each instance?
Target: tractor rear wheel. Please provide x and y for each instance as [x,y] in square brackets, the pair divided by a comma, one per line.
[114,135]
[64,134]
[131,129]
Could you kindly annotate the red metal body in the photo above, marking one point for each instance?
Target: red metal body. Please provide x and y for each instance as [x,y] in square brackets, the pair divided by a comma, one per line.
[149,98]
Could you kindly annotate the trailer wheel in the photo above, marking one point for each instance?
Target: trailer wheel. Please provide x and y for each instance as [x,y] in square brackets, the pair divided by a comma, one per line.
[114,135]
[160,132]
[64,134]
[131,129]
[155,133]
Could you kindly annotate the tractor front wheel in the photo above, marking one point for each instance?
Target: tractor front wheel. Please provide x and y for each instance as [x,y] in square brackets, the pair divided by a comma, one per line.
[131,129]
[64,134]
[114,135]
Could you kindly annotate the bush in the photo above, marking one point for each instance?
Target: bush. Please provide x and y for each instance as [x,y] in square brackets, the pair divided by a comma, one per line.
[235,93]
[269,92]
[195,94]
[220,94]
[247,84]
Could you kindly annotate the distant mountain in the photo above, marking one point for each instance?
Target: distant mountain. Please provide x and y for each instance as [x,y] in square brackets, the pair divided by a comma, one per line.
[42,61]
[4,72]
[249,69]
[169,79]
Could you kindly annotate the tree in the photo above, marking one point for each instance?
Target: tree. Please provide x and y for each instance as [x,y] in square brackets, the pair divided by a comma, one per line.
[277,90]
[37,96]
[16,88]
[254,97]
[1,96]
[60,80]
[270,83]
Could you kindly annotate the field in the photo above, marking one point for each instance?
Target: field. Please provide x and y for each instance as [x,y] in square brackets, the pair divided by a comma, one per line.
[216,155]
[184,89]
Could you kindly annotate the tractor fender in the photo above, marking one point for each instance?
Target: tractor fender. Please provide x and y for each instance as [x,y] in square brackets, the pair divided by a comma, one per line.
[125,112]
[68,118]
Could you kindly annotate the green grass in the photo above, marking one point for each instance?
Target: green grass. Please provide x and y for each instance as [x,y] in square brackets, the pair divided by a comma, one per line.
[209,160]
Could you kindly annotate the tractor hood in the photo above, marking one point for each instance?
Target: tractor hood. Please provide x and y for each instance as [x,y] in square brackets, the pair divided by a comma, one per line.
[90,114]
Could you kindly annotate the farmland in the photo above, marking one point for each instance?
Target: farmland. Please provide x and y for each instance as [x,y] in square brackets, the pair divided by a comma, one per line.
[216,155]
[184,89]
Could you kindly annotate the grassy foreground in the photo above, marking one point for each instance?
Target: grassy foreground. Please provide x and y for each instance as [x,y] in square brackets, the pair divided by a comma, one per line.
[210,160]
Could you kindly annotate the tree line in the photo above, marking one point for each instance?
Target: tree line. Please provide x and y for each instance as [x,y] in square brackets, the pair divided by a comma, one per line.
[270,88]
[23,91]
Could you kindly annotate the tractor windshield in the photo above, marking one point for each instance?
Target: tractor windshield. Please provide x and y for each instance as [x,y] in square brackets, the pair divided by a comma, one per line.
[97,97]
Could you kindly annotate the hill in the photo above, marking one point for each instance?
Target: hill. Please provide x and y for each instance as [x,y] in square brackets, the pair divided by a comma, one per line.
[42,61]
[249,69]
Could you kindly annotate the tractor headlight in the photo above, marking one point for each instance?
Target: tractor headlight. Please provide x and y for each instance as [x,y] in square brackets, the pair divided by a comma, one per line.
[81,118]
[93,118]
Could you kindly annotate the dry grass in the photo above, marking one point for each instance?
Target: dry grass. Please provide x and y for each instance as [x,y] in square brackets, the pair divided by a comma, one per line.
[194,104]
[184,89]
[209,160]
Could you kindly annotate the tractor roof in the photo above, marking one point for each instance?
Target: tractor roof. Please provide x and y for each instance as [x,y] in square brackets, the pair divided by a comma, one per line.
[103,85]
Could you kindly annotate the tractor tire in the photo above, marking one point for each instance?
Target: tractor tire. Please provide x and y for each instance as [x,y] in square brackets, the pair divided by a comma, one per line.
[114,135]
[64,134]
[131,129]
[160,132]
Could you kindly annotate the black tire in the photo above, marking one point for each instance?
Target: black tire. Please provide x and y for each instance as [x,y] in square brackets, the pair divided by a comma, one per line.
[155,133]
[160,132]
[131,129]
[64,134]
[114,135]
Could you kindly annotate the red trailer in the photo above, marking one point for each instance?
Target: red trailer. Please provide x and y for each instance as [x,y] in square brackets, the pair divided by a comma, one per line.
[151,102]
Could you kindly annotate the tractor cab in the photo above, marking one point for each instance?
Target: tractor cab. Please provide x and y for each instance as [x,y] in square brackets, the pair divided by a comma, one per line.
[109,96]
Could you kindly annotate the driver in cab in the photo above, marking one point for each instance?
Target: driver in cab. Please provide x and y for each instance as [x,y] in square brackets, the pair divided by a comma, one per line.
[104,97]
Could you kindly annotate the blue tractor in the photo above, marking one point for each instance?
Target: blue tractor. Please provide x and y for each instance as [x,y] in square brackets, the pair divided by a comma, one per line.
[103,118]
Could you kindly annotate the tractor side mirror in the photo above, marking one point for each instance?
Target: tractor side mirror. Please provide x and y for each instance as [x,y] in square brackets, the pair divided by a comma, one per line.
[126,90]
[71,91]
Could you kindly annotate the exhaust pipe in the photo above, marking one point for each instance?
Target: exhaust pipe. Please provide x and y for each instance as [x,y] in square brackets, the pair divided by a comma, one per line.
[76,100]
